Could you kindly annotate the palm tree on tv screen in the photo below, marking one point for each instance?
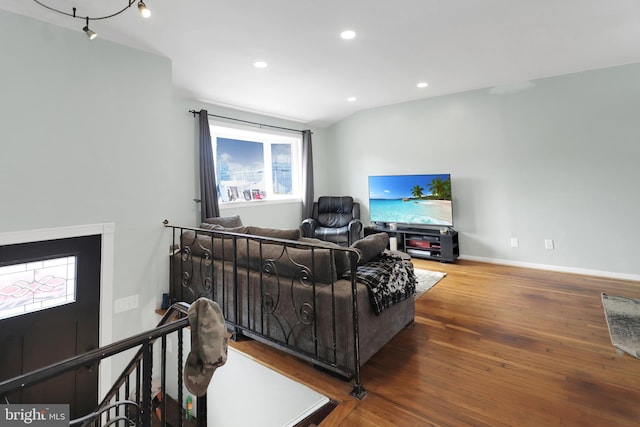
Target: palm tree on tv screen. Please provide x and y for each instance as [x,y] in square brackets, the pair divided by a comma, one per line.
[440,190]
[417,191]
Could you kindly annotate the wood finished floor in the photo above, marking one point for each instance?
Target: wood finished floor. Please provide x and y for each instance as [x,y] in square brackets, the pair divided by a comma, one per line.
[491,346]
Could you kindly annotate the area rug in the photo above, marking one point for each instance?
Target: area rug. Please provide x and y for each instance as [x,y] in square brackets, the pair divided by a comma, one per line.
[426,280]
[623,319]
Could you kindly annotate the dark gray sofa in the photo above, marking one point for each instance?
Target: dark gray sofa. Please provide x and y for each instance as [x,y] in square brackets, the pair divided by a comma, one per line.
[287,291]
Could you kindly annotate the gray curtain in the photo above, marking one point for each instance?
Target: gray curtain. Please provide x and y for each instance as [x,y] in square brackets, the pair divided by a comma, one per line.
[208,189]
[307,175]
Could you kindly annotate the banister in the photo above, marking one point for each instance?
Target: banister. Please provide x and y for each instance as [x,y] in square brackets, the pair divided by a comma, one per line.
[89,357]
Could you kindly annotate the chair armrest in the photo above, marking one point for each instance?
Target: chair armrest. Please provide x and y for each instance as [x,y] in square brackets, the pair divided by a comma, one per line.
[308,227]
[355,228]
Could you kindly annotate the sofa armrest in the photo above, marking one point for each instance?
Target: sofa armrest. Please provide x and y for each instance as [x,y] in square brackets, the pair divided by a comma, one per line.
[308,227]
[355,228]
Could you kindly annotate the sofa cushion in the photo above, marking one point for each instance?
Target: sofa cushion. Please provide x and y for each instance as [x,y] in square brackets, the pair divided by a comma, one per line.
[241,229]
[371,246]
[334,212]
[293,234]
[341,256]
[201,243]
[288,262]
[225,221]
[329,265]
[334,235]
[211,226]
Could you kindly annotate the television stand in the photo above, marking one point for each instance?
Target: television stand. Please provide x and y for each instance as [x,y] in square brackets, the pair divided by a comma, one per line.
[422,242]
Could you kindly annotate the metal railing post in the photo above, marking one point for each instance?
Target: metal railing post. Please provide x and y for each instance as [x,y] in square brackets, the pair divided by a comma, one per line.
[147,366]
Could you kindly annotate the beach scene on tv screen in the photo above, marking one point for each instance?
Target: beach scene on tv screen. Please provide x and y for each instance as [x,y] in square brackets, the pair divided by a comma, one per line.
[411,199]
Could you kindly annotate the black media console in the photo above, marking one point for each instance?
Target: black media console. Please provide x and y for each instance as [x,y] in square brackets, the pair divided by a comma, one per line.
[423,243]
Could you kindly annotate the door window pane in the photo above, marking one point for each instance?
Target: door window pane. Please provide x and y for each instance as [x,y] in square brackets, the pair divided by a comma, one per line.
[33,286]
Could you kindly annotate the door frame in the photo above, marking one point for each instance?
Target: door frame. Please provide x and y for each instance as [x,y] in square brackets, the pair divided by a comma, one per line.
[107,231]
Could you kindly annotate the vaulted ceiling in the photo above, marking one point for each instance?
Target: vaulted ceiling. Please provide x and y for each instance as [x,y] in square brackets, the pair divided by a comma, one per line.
[453,45]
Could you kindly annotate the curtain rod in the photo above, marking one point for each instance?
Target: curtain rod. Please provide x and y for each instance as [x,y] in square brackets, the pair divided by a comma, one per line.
[246,121]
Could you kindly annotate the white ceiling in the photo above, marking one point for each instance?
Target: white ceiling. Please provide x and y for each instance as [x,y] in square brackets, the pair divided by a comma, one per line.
[454,45]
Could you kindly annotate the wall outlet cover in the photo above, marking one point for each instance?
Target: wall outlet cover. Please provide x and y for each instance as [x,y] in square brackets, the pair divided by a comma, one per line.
[126,303]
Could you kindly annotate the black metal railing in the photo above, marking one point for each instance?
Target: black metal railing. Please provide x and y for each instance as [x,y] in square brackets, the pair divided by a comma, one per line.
[130,400]
[295,295]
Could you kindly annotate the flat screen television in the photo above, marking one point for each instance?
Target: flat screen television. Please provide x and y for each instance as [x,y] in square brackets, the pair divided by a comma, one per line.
[413,200]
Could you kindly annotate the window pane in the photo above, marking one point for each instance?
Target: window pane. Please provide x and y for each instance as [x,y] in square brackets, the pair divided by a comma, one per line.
[240,169]
[256,164]
[33,286]
[281,168]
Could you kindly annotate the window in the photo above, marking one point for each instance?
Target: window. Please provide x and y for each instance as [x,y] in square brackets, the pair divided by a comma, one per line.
[36,285]
[256,164]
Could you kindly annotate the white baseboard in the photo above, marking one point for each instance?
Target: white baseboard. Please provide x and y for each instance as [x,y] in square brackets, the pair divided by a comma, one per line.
[560,269]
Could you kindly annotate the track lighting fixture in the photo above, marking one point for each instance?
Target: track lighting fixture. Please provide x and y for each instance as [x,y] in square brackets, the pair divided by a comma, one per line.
[144,12]
[90,33]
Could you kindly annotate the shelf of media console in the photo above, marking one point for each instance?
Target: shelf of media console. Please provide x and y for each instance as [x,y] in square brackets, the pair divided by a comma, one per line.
[439,244]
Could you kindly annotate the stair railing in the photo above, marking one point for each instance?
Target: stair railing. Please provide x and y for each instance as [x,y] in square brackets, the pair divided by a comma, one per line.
[130,400]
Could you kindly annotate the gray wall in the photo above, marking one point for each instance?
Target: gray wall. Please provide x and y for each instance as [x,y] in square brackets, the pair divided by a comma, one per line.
[551,159]
[91,133]
[85,139]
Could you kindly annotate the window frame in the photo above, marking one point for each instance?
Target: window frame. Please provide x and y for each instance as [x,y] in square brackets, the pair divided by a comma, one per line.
[267,137]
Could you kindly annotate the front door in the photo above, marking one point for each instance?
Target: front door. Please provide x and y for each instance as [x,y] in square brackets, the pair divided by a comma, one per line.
[49,311]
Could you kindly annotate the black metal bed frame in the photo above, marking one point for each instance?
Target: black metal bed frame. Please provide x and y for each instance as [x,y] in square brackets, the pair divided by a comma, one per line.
[304,314]
[129,401]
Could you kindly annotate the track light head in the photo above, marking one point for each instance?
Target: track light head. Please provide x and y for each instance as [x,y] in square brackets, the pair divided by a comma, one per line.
[89,32]
[144,11]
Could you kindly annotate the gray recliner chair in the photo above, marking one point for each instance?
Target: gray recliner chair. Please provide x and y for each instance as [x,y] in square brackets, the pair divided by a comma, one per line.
[334,219]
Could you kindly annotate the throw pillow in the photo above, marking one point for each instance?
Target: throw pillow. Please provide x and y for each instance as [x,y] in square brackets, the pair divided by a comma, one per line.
[371,246]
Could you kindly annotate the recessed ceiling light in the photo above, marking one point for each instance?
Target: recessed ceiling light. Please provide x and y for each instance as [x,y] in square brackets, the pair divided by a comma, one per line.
[351,99]
[422,84]
[260,64]
[348,34]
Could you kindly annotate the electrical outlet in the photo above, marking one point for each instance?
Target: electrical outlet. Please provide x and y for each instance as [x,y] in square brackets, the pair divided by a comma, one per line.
[126,303]
[548,243]
[514,242]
